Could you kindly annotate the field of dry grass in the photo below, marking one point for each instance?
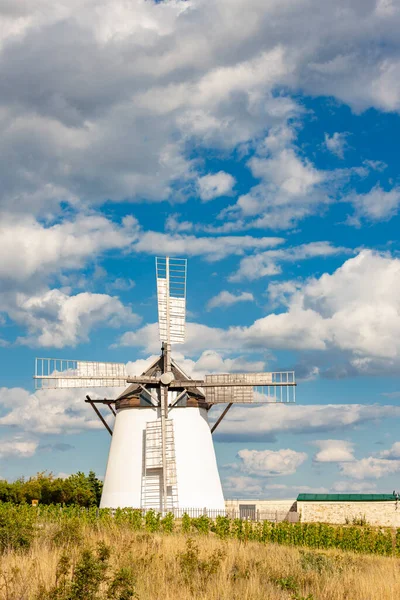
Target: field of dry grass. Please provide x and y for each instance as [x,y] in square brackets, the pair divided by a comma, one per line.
[154,566]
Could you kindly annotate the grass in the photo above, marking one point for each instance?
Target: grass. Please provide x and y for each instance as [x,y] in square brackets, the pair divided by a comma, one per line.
[99,561]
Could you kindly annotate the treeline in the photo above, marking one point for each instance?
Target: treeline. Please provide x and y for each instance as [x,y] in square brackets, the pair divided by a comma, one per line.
[78,489]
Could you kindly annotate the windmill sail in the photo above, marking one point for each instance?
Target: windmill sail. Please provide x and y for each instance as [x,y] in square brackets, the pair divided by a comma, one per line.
[171,295]
[245,388]
[54,373]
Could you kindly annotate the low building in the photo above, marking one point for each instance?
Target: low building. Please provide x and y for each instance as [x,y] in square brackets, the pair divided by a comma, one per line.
[374,509]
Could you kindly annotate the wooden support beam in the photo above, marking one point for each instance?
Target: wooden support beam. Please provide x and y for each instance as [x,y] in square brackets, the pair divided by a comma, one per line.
[98,413]
[220,418]
[112,410]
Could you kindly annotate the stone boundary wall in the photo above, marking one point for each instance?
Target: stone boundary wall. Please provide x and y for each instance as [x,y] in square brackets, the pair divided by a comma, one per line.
[385,513]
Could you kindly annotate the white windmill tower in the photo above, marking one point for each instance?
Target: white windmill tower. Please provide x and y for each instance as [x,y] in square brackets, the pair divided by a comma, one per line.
[162,454]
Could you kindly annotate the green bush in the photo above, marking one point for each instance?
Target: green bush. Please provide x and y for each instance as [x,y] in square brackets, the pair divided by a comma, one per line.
[186,523]
[17,529]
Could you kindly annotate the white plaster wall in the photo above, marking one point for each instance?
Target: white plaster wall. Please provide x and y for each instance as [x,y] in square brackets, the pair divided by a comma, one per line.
[198,481]
[123,479]
[199,485]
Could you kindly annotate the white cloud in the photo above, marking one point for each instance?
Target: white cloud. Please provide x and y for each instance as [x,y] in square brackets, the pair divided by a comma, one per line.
[376,205]
[370,468]
[239,485]
[17,447]
[174,225]
[335,312]
[267,263]
[270,463]
[392,453]
[336,143]
[209,361]
[225,298]
[54,319]
[214,186]
[290,189]
[334,451]
[339,311]
[265,422]
[121,284]
[31,250]
[212,248]
[96,129]
[357,487]
[51,411]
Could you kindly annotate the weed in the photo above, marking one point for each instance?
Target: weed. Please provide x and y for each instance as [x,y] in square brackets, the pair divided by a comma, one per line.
[122,586]
[152,521]
[315,561]
[191,565]
[202,524]
[69,533]
[186,523]
[16,527]
[287,583]
[167,523]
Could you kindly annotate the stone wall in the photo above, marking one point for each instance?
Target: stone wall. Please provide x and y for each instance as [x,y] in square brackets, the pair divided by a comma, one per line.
[376,513]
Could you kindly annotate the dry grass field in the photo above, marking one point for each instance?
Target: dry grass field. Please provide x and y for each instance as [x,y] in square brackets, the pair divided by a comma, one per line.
[89,563]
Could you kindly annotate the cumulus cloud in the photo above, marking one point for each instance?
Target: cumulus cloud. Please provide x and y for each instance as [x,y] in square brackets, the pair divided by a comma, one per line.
[268,263]
[376,205]
[55,319]
[30,249]
[290,187]
[86,131]
[270,463]
[209,361]
[173,224]
[17,448]
[240,485]
[357,487]
[338,312]
[51,412]
[336,143]
[214,186]
[225,298]
[212,248]
[370,468]
[334,451]
[264,423]
[392,453]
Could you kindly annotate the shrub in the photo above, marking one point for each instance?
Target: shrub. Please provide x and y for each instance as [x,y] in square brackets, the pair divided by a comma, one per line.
[186,523]
[17,529]
[69,533]
[168,523]
[152,521]
[202,524]
[122,586]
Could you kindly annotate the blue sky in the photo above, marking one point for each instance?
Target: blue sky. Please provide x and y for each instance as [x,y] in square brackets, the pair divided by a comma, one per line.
[259,139]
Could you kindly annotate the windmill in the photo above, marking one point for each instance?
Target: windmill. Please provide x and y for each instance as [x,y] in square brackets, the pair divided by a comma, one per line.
[162,454]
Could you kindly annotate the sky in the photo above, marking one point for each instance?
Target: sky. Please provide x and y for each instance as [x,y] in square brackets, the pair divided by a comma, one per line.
[259,139]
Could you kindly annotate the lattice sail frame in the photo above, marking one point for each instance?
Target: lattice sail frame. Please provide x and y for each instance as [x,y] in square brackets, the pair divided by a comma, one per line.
[253,388]
[55,373]
[171,295]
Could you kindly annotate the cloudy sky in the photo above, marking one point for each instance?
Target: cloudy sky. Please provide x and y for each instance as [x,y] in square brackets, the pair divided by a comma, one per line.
[257,138]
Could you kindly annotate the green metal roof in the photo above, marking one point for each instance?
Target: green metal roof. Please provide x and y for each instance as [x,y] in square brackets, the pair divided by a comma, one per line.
[345,497]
